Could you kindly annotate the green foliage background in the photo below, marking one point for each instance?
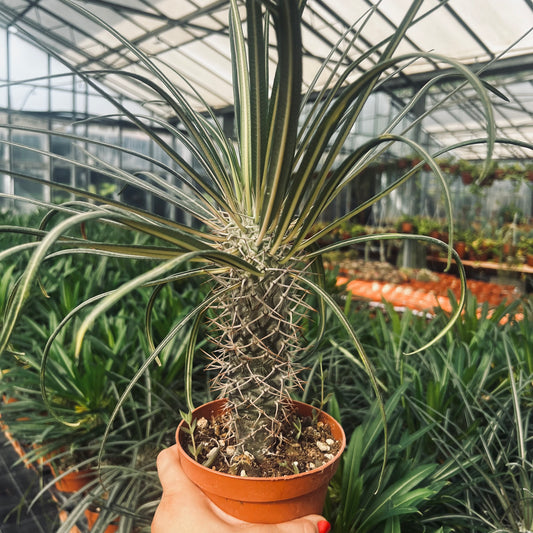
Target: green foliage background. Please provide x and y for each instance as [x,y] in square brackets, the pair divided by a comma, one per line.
[459,414]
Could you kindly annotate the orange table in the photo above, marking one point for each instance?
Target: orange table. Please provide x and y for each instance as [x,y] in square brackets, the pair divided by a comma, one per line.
[426,295]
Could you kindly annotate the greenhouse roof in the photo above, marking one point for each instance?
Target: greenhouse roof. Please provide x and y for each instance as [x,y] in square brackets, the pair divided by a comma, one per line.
[189,38]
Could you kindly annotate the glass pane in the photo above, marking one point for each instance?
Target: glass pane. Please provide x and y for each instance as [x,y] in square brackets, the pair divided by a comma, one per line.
[3,55]
[61,100]
[28,160]
[28,189]
[27,61]
[63,175]
[60,146]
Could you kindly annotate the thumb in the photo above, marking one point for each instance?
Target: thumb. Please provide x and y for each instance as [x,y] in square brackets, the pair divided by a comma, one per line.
[320,524]
[306,524]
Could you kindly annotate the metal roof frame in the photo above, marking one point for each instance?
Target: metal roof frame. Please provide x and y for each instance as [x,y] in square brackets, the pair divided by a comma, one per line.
[189,39]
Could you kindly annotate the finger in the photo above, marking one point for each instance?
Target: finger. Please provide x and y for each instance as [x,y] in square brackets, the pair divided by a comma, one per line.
[176,485]
[306,524]
[180,496]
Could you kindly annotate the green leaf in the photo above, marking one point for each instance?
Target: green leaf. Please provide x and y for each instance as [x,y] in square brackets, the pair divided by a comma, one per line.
[23,288]
[360,351]
[284,112]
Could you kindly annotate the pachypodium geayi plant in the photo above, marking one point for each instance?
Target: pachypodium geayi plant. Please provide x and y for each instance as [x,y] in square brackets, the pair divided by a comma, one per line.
[255,199]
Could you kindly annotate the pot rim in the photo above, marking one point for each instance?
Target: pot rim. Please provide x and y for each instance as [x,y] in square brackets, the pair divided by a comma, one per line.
[329,464]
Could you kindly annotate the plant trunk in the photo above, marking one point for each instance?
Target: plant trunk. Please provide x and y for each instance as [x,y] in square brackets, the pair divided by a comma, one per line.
[259,332]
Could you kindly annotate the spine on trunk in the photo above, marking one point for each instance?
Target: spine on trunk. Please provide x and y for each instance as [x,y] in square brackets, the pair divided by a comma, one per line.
[257,335]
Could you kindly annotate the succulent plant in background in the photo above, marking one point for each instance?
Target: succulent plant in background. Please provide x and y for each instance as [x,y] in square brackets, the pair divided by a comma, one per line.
[255,201]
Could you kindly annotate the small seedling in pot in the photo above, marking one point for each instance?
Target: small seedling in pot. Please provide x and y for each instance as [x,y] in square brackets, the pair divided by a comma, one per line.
[194,450]
[291,466]
[297,423]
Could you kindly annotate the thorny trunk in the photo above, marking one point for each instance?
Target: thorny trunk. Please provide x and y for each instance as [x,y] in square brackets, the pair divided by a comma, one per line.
[258,326]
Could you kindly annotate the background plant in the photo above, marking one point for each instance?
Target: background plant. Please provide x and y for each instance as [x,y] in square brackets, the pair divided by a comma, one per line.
[439,475]
[459,413]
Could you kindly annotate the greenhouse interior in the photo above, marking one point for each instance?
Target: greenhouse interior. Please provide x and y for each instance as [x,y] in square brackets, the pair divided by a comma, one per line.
[301,230]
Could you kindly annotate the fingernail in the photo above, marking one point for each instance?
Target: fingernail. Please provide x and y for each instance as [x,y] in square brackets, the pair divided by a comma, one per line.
[323,526]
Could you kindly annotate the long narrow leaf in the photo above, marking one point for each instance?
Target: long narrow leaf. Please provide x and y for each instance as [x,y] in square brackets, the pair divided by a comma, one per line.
[285,108]
[321,293]
[133,381]
[23,289]
[430,240]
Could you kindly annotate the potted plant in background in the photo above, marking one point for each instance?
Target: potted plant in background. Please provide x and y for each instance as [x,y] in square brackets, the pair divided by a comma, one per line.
[407,224]
[60,419]
[467,171]
[525,249]
[460,244]
[255,201]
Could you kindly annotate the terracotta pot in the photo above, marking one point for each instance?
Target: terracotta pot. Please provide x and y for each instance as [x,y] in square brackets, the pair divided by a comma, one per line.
[8,399]
[453,169]
[18,447]
[73,481]
[467,178]
[508,249]
[460,248]
[530,260]
[63,517]
[5,399]
[92,517]
[263,500]
[43,459]
[408,227]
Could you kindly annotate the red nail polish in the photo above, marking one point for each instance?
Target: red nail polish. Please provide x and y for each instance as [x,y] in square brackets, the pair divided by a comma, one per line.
[324,526]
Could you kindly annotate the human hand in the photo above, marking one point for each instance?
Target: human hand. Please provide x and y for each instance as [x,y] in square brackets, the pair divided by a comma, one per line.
[185,508]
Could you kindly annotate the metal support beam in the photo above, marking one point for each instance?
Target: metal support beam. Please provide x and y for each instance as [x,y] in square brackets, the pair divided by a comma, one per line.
[411,255]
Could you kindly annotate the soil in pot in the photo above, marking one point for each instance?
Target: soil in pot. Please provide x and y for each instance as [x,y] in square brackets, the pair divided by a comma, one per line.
[267,499]
[307,443]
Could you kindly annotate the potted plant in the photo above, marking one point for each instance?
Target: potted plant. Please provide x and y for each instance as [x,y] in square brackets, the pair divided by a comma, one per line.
[528,172]
[255,200]
[430,226]
[467,171]
[479,249]
[407,224]
[525,249]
